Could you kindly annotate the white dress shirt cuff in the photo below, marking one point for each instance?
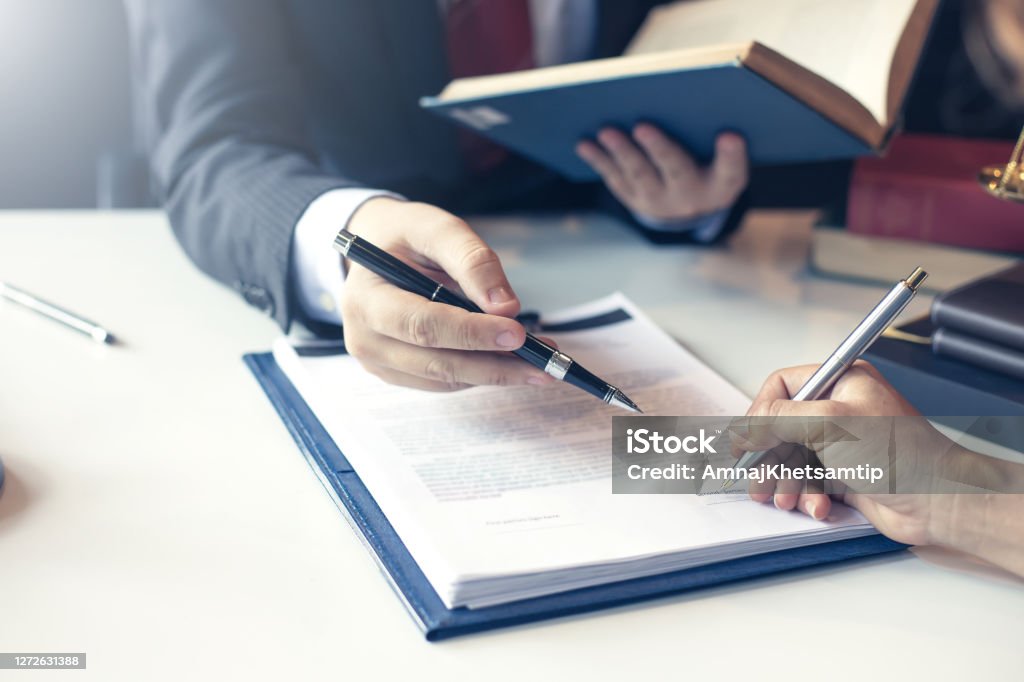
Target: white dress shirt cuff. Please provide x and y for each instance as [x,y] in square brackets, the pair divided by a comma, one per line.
[319,274]
[704,227]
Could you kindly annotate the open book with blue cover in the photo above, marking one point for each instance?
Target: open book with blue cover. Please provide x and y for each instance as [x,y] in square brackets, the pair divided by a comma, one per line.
[801,80]
[493,506]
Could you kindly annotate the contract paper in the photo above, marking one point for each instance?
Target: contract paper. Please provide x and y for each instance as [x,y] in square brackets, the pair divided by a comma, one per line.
[504,493]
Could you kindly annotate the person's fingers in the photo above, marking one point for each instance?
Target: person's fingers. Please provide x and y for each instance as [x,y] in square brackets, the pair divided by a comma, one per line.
[640,173]
[729,172]
[788,421]
[677,168]
[603,164]
[867,368]
[782,407]
[785,501]
[763,427]
[460,252]
[787,493]
[761,491]
[782,384]
[441,277]
[453,368]
[397,378]
[751,434]
[548,340]
[777,425]
[401,315]
[815,505]
[868,505]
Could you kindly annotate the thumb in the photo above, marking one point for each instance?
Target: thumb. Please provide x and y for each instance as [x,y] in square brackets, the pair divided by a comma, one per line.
[460,252]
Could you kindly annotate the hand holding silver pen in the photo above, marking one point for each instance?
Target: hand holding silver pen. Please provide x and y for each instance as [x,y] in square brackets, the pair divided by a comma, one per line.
[849,351]
[59,315]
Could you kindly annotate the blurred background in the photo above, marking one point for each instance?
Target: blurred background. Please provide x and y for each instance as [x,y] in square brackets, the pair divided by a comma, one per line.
[66,137]
[65,106]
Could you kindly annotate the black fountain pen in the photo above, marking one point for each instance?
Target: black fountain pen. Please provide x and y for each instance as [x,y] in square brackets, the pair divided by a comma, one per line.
[534,351]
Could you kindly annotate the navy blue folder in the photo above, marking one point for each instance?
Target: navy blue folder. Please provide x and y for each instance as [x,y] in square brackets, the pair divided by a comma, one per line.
[439,622]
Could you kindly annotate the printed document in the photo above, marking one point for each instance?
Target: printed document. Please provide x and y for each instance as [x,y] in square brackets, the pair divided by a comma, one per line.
[504,493]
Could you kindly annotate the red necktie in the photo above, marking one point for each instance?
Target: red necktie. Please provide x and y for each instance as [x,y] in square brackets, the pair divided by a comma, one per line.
[486,37]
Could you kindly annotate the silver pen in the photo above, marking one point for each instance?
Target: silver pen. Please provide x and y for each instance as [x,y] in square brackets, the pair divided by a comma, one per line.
[849,351]
[56,313]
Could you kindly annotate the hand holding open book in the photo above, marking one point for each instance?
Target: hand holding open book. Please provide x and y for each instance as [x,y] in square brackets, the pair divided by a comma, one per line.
[801,80]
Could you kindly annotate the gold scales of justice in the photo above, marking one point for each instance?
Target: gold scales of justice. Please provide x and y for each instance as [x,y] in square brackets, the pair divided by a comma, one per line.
[1006,182]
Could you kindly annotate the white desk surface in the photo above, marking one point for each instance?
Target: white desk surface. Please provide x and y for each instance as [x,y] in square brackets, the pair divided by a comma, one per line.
[158,517]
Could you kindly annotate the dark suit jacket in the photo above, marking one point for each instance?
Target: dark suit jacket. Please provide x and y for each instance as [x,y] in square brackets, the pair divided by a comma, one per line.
[252,108]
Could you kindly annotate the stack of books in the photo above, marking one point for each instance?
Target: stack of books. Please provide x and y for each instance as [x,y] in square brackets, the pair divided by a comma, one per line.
[926,189]
[967,358]
[921,204]
[983,323]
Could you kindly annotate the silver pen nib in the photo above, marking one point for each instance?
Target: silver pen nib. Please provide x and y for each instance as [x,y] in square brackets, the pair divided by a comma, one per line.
[619,399]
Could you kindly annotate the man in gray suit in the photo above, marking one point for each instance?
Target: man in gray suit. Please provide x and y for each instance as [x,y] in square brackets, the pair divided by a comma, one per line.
[271,124]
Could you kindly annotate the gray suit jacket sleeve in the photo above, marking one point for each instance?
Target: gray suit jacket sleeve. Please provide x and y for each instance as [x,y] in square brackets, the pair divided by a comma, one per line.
[219,103]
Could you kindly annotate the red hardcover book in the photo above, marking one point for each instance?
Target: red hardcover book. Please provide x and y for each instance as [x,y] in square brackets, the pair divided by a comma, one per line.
[926,188]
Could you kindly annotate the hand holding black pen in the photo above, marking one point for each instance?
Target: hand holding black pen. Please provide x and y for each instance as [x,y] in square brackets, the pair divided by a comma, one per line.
[539,354]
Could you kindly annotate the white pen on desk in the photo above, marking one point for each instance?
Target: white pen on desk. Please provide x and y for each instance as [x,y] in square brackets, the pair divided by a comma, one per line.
[56,313]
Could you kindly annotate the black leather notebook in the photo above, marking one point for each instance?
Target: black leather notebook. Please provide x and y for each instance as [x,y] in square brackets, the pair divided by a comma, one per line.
[981,352]
[991,308]
[950,391]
